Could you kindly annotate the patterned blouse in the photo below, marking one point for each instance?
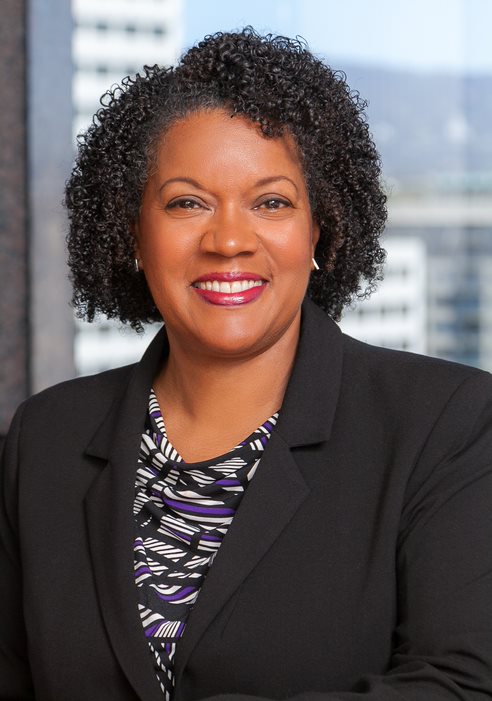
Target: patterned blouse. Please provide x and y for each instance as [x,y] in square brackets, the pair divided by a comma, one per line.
[182,512]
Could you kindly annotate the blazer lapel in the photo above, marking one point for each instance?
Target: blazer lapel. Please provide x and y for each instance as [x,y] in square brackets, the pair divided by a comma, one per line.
[278,488]
[272,499]
[109,508]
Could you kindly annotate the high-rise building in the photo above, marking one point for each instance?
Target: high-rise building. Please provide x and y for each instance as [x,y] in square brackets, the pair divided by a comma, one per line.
[436,297]
[456,231]
[113,39]
[396,315]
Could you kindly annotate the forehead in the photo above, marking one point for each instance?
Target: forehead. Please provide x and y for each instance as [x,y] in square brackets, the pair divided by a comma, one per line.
[219,145]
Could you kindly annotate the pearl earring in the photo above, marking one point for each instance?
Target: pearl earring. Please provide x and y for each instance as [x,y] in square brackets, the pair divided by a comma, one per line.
[137,267]
[315,265]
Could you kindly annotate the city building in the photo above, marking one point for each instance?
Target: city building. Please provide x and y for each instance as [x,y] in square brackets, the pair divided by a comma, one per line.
[436,297]
[113,39]
[396,315]
[457,233]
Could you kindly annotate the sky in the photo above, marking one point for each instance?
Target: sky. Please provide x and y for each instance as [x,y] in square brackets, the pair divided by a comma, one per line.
[422,35]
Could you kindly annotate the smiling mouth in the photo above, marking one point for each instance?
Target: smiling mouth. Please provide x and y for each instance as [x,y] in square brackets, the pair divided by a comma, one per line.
[229,292]
[228,287]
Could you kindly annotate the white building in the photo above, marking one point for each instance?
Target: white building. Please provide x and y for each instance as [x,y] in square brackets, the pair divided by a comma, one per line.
[113,39]
[395,315]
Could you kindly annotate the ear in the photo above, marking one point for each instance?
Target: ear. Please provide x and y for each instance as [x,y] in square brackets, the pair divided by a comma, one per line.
[315,231]
[135,232]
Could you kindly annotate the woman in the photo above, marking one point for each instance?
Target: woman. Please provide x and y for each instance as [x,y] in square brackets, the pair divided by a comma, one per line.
[262,507]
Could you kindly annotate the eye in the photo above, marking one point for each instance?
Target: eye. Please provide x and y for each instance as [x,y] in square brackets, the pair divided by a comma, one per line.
[184,203]
[272,204]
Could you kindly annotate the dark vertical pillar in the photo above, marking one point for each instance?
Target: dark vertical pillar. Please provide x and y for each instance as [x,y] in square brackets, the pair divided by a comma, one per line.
[13,211]
[36,322]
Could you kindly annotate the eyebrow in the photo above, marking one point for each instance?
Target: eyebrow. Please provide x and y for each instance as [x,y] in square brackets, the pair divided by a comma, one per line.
[190,181]
[276,178]
[259,183]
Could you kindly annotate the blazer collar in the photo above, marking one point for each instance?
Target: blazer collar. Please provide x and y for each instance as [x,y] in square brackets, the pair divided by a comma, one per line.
[310,401]
[128,410]
[309,404]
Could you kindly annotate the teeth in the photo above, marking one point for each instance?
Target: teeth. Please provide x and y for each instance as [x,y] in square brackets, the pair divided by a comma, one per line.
[229,287]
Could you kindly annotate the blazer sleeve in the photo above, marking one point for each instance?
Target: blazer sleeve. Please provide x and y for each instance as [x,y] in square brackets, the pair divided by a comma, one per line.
[15,677]
[443,641]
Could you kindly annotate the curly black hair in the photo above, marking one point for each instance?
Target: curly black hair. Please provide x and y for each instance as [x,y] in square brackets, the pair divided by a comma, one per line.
[277,83]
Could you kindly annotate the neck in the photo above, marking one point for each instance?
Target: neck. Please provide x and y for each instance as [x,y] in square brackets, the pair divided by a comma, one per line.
[202,387]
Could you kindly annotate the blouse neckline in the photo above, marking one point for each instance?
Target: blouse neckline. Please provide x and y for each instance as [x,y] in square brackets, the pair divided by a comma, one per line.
[257,440]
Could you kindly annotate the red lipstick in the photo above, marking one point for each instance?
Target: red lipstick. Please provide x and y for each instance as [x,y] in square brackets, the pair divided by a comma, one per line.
[227,297]
[229,276]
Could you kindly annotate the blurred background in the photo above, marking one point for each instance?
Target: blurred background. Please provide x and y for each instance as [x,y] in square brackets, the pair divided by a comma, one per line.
[425,69]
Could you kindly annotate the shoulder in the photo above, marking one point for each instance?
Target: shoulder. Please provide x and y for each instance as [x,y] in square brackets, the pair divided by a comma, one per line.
[407,390]
[406,371]
[431,416]
[394,388]
[75,405]
[376,368]
[91,388]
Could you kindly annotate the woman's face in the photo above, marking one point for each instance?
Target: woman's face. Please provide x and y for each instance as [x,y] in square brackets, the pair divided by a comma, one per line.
[225,235]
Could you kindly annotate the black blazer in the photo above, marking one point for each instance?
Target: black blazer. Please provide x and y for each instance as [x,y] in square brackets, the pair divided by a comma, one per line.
[359,564]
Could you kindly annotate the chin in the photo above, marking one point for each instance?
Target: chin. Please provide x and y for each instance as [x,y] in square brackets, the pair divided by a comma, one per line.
[237,347]
[245,341]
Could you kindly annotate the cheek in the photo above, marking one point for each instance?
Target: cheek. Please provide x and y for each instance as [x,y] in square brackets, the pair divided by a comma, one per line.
[292,247]
[165,247]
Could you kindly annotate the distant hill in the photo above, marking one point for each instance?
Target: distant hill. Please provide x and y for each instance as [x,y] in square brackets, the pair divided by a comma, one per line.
[432,130]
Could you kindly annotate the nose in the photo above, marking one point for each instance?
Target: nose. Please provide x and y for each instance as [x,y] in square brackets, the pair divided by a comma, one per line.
[230,232]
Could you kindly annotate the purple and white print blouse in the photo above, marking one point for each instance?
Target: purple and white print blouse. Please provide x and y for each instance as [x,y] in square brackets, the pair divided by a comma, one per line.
[182,512]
